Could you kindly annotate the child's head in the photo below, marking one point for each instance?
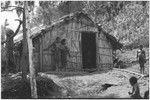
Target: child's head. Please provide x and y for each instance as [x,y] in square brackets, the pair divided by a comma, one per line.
[133,80]
[58,39]
[63,41]
[141,47]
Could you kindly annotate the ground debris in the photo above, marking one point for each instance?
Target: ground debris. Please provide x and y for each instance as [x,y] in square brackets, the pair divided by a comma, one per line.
[19,89]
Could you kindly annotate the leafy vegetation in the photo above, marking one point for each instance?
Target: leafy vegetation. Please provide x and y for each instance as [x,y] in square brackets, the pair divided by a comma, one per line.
[128,21]
[16,88]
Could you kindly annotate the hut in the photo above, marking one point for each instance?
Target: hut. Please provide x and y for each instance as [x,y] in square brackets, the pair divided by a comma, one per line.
[90,47]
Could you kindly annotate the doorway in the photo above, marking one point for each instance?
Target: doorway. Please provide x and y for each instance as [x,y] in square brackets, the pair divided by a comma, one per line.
[88,42]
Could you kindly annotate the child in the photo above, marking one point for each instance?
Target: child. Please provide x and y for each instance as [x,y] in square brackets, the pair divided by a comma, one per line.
[135,94]
[146,95]
[141,58]
[64,53]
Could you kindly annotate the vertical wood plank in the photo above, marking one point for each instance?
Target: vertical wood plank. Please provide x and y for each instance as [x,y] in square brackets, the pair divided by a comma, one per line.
[41,53]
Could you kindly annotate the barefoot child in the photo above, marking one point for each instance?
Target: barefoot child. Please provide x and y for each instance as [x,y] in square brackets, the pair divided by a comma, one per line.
[141,58]
[135,94]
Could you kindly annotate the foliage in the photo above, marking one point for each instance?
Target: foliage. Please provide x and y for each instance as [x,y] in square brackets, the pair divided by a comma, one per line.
[16,88]
[45,13]
[132,23]
[67,7]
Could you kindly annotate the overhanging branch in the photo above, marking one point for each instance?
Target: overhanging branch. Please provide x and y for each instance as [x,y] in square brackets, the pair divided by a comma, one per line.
[12,6]
[15,7]
[14,33]
[8,10]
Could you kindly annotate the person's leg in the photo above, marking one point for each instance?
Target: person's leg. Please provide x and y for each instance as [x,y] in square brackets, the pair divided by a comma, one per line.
[140,68]
[143,68]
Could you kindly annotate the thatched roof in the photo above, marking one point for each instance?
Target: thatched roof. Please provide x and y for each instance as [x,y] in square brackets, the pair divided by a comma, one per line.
[35,31]
[77,17]
[115,44]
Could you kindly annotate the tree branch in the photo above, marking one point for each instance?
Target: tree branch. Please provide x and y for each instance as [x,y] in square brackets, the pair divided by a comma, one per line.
[20,22]
[8,10]
[4,9]
[12,6]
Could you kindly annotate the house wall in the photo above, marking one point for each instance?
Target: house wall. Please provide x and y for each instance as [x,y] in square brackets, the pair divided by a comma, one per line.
[104,52]
[72,32]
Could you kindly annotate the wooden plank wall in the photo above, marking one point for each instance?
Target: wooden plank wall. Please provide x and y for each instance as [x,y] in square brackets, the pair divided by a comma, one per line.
[71,32]
[104,52]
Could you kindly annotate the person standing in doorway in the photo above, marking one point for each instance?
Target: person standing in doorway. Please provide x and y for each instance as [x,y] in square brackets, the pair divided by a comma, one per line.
[64,53]
[55,57]
[141,58]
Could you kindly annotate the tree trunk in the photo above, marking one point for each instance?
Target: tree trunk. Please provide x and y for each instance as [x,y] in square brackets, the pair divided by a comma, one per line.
[31,63]
[24,58]
[4,60]
[10,56]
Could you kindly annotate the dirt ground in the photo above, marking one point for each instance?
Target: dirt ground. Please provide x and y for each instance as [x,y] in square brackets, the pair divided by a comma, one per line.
[85,85]
[91,85]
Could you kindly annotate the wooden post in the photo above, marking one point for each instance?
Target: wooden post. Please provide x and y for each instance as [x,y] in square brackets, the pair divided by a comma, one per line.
[41,53]
[30,49]
[6,67]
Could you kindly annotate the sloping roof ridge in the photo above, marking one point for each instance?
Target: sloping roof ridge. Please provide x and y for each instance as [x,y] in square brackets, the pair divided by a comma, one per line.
[70,16]
[37,29]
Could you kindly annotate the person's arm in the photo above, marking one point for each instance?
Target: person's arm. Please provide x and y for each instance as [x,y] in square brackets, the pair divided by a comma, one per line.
[144,56]
[137,56]
[68,52]
[130,93]
[135,89]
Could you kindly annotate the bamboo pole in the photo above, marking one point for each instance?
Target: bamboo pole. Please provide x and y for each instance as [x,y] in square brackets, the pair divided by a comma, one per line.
[6,68]
[131,72]
[41,53]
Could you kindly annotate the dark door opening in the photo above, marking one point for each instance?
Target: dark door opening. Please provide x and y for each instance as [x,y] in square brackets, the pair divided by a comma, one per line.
[88,40]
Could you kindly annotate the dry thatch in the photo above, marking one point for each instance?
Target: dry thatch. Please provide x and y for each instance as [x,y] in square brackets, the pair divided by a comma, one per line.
[65,20]
[115,44]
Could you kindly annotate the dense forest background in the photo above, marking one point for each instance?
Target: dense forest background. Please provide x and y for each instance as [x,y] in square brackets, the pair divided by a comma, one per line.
[128,21]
